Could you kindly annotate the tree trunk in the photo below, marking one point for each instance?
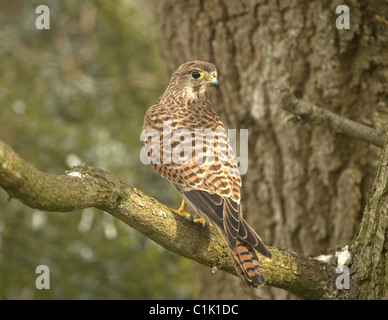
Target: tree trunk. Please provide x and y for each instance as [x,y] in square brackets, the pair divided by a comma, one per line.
[370,263]
[306,186]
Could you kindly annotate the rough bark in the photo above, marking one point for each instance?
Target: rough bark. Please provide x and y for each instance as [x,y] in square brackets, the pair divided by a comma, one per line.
[305,111]
[306,186]
[85,186]
[370,267]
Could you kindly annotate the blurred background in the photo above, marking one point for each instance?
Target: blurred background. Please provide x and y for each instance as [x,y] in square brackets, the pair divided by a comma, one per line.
[78,93]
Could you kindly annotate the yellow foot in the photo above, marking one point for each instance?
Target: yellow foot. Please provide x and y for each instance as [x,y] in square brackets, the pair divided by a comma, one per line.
[183,213]
[203,222]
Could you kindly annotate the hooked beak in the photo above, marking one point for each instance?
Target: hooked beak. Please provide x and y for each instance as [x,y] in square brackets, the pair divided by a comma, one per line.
[211,79]
[214,83]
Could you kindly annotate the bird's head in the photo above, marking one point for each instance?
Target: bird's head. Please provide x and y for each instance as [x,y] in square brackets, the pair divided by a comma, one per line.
[193,78]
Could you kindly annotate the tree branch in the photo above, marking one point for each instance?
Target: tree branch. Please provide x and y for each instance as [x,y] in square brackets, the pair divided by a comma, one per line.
[86,186]
[322,117]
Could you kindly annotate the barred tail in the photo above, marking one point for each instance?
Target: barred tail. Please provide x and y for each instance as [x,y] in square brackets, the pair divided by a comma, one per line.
[247,264]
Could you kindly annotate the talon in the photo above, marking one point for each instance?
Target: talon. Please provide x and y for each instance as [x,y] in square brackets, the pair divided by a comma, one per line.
[182,211]
[203,222]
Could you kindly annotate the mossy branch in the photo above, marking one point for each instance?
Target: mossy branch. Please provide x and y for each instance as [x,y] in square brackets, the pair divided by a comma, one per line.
[86,186]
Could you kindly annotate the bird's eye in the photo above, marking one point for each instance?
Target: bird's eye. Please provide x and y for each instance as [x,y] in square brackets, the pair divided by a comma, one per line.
[195,74]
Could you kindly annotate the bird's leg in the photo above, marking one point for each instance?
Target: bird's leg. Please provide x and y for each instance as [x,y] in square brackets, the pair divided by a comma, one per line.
[183,213]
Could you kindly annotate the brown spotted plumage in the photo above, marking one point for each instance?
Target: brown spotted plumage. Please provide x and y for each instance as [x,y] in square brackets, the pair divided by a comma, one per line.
[187,144]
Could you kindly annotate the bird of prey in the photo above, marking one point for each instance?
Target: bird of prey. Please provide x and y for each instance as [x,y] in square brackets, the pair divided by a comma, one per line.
[186,143]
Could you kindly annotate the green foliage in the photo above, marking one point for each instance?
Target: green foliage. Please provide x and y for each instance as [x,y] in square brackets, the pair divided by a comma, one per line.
[78,92]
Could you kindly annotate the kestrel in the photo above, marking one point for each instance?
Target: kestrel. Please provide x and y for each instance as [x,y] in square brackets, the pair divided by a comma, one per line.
[187,144]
